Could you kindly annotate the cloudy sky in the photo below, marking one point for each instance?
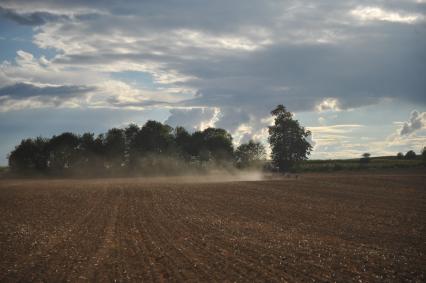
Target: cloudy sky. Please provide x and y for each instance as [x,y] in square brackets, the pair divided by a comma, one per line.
[353,72]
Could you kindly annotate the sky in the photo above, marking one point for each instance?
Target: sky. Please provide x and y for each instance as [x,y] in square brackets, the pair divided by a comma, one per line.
[352,72]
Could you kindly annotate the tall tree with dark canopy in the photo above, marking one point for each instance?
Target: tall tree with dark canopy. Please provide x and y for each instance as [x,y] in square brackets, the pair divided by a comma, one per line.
[63,151]
[91,154]
[219,143]
[198,148]
[288,140]
[154,138]
[410,155]
[30,155]
[115,145]
[131,131]
[183,142]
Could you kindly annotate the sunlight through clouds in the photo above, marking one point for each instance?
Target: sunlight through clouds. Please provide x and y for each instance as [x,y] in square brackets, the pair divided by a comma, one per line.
[378,14]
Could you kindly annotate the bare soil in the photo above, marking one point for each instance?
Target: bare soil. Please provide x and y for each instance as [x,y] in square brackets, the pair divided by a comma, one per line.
[367,227]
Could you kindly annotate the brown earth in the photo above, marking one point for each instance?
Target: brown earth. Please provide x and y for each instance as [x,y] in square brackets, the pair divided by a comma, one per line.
[318,227]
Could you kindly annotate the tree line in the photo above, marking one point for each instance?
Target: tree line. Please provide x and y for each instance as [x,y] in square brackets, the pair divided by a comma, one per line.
[409,155]
[159,148]
[133,149]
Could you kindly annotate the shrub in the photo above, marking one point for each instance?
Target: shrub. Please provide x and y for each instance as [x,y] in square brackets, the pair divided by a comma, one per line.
[365,158]
[410,155]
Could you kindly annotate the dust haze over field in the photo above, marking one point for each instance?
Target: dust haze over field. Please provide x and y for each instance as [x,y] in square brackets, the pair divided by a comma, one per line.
[215,176]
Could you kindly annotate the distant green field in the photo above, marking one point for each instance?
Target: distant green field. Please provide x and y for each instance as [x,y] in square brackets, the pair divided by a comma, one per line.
[382,162]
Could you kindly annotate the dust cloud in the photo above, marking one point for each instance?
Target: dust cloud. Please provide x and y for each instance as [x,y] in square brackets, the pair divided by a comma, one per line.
[215,176]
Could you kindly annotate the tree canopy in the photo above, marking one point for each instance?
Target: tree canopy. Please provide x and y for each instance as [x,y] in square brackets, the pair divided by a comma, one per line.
[410,155]
[249,154]
[365,158]
[288,140]
[131,149]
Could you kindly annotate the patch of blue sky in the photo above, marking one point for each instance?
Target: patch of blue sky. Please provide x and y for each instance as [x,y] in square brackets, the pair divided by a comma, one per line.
[135,78]
[14,37]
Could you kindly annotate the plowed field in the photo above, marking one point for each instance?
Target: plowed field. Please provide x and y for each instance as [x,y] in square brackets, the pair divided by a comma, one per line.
[330,227]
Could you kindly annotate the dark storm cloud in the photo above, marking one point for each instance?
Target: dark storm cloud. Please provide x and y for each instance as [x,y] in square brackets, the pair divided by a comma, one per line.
[25,90]
[211,15]
[32,19]
[301,76]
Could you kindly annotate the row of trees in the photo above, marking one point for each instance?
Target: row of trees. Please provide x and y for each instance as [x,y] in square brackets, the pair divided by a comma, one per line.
[156,147]
[411,154]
